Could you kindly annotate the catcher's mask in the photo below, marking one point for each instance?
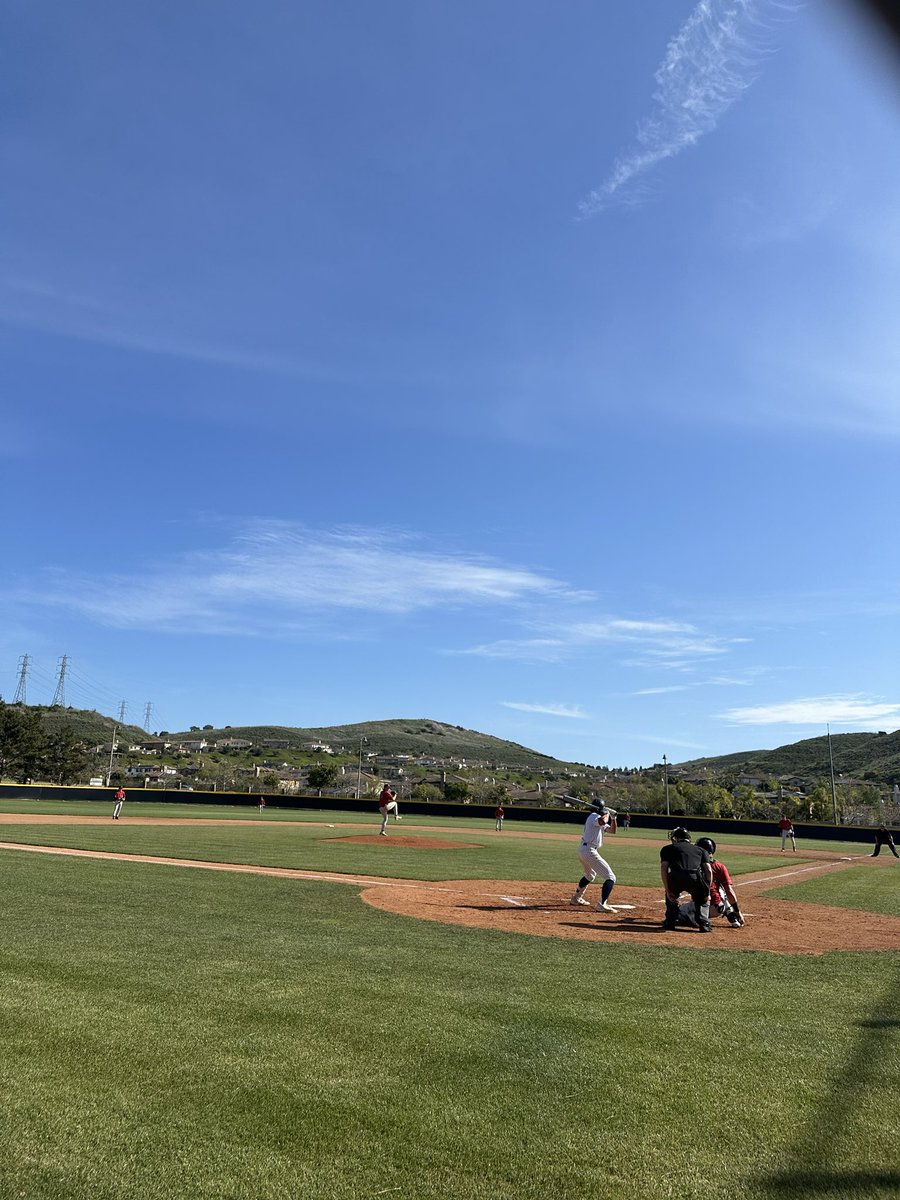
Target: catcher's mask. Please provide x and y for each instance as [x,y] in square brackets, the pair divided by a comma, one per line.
[680,835]
[707,844]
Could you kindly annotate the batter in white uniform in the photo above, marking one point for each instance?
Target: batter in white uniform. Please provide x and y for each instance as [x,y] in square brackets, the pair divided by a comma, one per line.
[602,820]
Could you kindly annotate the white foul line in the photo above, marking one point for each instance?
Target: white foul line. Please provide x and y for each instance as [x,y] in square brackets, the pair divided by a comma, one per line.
[799,871]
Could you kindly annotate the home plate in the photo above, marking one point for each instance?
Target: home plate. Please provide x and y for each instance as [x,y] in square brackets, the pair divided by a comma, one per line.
[620,907]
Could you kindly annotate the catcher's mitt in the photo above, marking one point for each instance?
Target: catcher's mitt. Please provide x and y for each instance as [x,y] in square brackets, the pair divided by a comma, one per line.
[735,918]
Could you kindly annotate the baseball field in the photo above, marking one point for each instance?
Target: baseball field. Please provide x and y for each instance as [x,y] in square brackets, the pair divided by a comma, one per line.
[263,1007]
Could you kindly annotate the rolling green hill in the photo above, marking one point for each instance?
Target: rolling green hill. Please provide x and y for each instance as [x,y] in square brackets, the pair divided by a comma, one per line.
[866,756]
[87,725]
[416,736]
[872,756]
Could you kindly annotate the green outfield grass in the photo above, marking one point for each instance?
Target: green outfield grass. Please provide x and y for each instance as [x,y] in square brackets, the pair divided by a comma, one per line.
[138,805]
[185,1035]
[315,847]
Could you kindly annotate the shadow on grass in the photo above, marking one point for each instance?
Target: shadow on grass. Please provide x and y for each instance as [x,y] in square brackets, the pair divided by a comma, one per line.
[845,1184]
[819,1152]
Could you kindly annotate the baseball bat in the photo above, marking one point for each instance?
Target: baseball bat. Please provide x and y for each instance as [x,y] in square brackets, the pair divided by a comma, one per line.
[589,804]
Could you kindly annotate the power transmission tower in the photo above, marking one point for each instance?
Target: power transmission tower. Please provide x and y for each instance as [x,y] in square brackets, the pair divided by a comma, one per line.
[148,709]
[59,696]
[123,708]
[20,697]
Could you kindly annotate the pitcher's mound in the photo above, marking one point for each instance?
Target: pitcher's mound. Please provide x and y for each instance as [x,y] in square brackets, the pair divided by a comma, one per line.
[406,843]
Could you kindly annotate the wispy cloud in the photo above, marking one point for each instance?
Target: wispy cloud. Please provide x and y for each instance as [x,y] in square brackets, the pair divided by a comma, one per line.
[549,710]
[818,711]
[276,576]
[658,643]
[519,649]
[33,303]
[709,63]
[662,691]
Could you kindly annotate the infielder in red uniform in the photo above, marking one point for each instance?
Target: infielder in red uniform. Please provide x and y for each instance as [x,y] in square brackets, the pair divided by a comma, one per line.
[786,829]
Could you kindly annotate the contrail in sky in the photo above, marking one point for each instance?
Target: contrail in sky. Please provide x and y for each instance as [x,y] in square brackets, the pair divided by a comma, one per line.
[709,63]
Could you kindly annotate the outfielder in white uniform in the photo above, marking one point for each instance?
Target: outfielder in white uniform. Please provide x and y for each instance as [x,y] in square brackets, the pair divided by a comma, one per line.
[602,820]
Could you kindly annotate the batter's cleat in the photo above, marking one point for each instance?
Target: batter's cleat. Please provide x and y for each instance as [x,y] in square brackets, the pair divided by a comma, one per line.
[604,907]
[382,833]
[576,899]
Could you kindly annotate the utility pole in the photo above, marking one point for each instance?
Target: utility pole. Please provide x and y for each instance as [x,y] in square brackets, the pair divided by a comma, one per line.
[148,709]
[20,697]
[112,754]
[359,767]
[831,761]
[666,778]
[59,696]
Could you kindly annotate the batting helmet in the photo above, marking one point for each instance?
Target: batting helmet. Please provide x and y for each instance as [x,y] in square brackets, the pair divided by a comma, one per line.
[707,844]
[680,835]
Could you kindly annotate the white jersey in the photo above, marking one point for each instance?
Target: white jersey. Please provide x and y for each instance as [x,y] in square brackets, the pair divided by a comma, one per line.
[594,828]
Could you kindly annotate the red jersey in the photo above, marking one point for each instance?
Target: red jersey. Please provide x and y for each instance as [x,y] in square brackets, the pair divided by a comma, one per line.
[386,797]
[785,824]
[720,880]
[120,795]
[498,813]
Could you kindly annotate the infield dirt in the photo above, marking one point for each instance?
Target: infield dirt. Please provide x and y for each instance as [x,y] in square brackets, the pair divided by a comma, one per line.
[542,909]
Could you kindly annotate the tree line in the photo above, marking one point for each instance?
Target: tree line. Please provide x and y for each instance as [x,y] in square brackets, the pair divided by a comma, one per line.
[28,752]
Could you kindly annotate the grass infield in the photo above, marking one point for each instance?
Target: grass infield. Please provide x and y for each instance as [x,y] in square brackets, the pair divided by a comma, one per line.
[188,1035]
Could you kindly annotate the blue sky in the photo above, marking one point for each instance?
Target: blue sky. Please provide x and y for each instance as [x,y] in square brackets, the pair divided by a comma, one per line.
[530,367]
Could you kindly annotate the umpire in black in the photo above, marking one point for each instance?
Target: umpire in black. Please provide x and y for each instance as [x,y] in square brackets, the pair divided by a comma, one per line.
[687,868]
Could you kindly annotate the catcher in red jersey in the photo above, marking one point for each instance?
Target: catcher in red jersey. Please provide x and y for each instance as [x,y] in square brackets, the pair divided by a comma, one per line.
[722,899]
